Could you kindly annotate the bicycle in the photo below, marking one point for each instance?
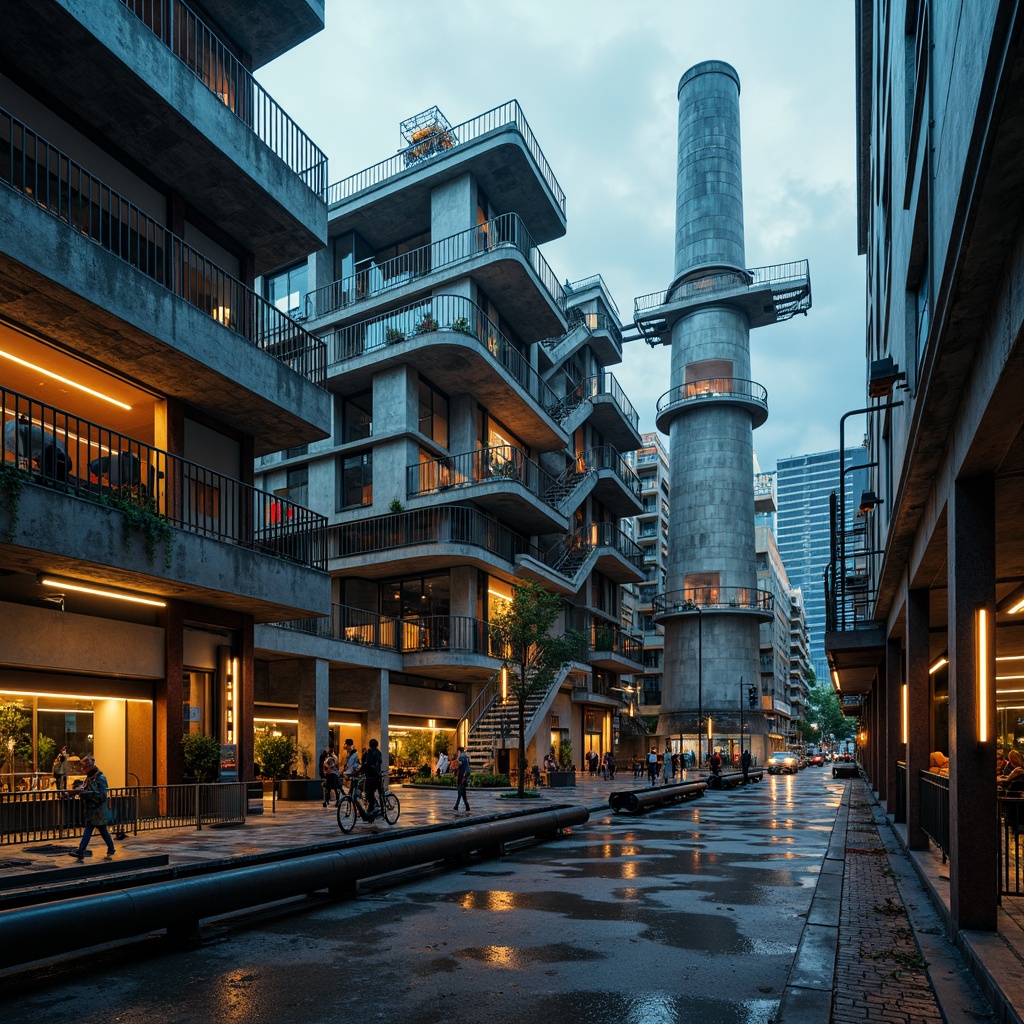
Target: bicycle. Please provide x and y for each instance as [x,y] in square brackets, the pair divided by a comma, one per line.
[350,808]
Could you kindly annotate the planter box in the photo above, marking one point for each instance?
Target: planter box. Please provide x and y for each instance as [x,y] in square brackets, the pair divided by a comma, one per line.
[561,778]
[300,789]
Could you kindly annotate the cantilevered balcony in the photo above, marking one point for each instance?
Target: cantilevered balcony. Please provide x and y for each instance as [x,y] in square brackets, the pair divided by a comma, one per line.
[93,504]
[129,292]
[601,400]
[612,648]
[450,340]
[616,485]
[598,330]
[500,479]
[499,254]
[498,148]
[601,546]
[264,29]
[720,600]
[713,392]
[767,295]
[153,80]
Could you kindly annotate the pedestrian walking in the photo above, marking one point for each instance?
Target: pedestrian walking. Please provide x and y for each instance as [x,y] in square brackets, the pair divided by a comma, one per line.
[652,766]
[667,774]
[93,794]
[745,766]
[462,773]
[60,769]
[330,772]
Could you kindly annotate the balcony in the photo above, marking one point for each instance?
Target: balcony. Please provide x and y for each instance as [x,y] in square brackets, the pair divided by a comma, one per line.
[450,340]
[499,254]
[613,649]
[499,479]
[616,486]
[599,331]
[153,80]
[714,392]
[497,147]
[767,295]
[427,539]
[720,600]
[601,546]
[96,504]
[611,412]
[122,278]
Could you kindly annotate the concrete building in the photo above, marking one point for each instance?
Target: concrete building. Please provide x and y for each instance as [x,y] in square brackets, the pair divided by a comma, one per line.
[712,607]
[925,628]
[773,697]
[805,484]
[146,179]
[475,445]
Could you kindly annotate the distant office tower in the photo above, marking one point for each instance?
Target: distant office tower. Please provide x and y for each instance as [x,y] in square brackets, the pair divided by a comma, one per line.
[712,607]
[804,485]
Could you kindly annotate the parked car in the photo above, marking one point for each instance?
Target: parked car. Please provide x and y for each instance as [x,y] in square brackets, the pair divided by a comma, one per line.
[782,762]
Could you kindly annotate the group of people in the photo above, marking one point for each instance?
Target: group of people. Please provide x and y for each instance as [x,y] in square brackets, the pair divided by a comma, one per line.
[369,767]
[597,764]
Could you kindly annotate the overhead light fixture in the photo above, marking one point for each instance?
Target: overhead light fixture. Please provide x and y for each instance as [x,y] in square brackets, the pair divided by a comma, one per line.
[63,380]
[1018,606]
[883,375]
[940,662]
[116,595]
[868,501]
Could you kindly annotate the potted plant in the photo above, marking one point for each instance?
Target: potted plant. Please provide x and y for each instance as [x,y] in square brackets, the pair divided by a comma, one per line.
[275,758]
[392,335]
[566,774]
[461,324]
[201,755]
[427,324]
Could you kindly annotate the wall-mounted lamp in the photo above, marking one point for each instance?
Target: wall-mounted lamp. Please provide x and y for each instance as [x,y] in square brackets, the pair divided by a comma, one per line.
[710,729]
[983,645]
[883,374]
[82,588]
[835,678]
[504,683]
[904,714]
[940,662]
[868,501]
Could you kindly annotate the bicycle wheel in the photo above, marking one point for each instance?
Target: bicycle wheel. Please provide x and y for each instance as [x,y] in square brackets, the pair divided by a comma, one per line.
[392,808]
[346,814]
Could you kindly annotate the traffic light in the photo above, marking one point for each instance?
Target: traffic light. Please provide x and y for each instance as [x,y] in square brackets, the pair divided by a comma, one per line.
[752,696]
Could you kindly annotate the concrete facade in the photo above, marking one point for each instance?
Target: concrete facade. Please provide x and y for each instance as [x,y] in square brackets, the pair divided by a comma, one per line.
[140,375]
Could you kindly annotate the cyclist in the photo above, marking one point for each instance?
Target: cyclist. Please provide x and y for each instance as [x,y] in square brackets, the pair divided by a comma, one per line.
[353,771]
[373,770]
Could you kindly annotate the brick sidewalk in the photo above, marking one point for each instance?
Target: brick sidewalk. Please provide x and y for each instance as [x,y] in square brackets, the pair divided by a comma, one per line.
[880,972]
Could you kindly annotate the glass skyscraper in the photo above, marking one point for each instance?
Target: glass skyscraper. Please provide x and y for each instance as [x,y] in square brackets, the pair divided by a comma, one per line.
[803,530]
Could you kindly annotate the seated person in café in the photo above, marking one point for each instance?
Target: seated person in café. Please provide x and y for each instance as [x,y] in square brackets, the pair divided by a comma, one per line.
[938,763]
[1013,771]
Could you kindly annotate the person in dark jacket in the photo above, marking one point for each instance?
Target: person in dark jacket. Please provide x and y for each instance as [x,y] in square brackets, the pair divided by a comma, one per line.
[373,770]
[93,793]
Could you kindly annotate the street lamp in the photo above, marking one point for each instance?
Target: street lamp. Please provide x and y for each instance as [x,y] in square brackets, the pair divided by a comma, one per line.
[692,606]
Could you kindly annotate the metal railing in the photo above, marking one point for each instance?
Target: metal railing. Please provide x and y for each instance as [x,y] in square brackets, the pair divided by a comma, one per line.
[501,463]
[933,792]
[352,625]
[714,387]
[48,445]
[420,321]
[1011,866]
[605,637]
[414,156]
[569,554]
[46,176]
[594,281]
[605,384]
[455,633]
[449,524]
[506,230]
[850,584]
[707,599]
[198,48]
[716,282]
[605,457]
[41,815]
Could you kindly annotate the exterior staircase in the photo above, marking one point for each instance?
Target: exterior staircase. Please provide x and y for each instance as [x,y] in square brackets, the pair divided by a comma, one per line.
[565,493]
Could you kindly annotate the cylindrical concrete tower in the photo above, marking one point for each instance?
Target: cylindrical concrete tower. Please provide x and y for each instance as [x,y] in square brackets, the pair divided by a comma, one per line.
[712,609]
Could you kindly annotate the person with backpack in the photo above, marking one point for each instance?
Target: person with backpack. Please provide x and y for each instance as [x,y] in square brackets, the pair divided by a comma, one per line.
[462,772]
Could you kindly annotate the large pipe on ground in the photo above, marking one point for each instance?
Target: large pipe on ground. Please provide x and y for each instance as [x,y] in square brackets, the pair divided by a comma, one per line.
[33,933]
[636,801]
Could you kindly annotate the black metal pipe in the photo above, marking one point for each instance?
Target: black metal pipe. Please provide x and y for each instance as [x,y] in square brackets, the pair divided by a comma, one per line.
[635,801]
[33,933]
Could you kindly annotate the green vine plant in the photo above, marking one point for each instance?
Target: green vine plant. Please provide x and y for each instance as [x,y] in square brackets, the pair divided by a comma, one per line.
[142,515]
[12,480]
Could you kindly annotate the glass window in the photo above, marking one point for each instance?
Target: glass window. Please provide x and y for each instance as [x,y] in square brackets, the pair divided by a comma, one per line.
[286,289]
[353,417]
[355,481]
[433,416]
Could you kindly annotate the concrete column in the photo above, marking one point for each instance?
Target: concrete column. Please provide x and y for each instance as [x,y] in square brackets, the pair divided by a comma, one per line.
[919,709]
[973,828]
[892,747]
[312,685]
[377,710]
[170,766]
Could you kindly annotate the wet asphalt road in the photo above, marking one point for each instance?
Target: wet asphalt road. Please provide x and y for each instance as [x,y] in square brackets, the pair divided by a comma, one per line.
[688,914]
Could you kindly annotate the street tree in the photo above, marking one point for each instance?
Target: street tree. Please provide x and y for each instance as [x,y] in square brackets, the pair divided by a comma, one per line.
[522,633]
[824,710]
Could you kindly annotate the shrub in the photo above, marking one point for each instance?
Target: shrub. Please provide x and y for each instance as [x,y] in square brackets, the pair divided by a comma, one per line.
[202,756]
[275,756]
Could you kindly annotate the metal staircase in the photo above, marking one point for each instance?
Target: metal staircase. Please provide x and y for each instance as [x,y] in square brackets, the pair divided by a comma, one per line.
[564,493]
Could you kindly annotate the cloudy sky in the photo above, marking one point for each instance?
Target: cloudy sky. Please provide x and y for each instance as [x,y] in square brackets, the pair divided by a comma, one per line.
[597,82]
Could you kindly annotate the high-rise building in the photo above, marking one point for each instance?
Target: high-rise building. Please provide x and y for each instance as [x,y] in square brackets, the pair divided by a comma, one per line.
[805,484]
[145,180]
[476,444]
